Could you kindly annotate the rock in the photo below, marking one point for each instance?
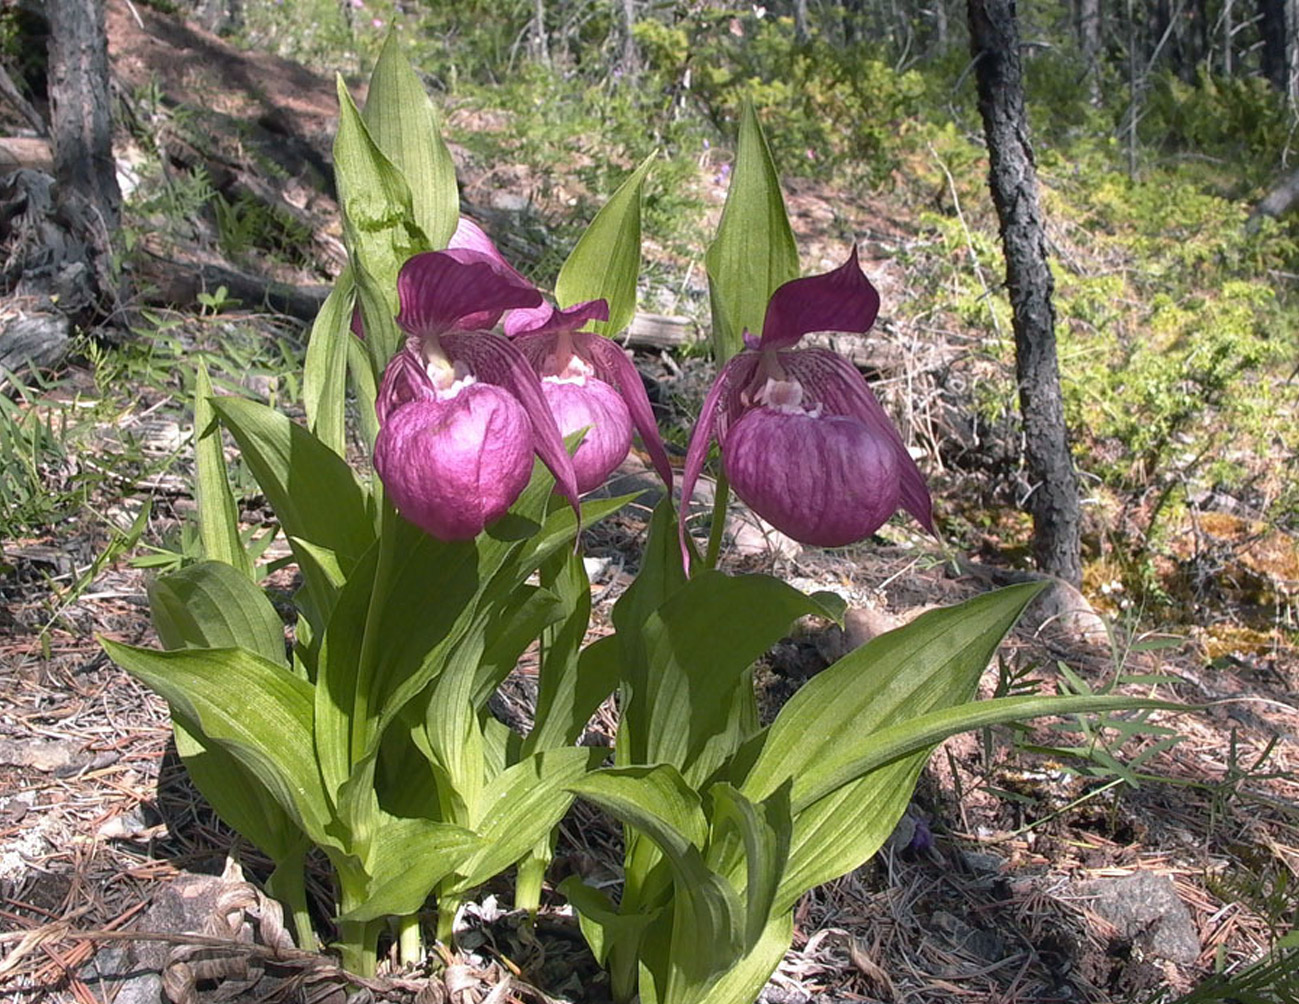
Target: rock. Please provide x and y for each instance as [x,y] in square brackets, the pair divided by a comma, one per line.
[750,534]
[47,756]
[860,625]
[1145,909]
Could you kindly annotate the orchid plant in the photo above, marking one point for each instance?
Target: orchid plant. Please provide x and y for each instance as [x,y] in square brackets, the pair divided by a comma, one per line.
[366,731]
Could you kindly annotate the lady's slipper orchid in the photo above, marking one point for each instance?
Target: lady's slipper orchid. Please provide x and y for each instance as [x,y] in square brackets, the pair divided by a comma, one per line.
[590,383]
[804,442]
[587,379]
[461,411]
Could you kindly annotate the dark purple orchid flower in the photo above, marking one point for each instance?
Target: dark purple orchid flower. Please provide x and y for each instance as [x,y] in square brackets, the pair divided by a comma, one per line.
[804,442]
[461,411]
[587,379]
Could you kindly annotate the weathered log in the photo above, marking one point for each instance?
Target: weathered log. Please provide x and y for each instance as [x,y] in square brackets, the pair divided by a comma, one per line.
[1279,200]
[656,331]
[29,341]
[30,152]
[178,284]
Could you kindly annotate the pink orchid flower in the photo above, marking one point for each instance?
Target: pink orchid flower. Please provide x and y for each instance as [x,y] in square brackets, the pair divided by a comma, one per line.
[804,442]
[461,411]
[587,379]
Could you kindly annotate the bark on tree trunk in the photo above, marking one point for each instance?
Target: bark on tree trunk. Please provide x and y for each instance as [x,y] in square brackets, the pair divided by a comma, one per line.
[1089,37]
[540,43]
[630,62]
[800,20]
[86,194]
[994,43]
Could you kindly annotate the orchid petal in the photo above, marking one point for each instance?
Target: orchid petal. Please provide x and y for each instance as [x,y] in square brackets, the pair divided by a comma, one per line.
[555,319]
[842,300]
[404,380]
[825,480]
[453,465]
[721,407]
[457,290]
[834,383]
[613,367]
[495,360]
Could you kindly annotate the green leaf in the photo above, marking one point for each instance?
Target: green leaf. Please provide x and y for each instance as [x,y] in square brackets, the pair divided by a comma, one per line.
[218,518]
[378,212]
[313,491]
[754,251]
[406,861]
[933,662]
[746,976]
[257,711]
[407,128]
[571,683]
[605,264]
[602,925]
[211,605]
[708,919]
[697,646]
[513,627]
[238,796]
[324,376]
[523,804]
[764,830]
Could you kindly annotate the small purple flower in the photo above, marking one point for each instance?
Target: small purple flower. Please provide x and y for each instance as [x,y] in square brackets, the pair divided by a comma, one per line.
[460,410]
[804,442]
[587,379]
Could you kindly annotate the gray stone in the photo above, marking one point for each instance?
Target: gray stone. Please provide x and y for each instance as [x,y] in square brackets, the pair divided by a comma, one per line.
[1145,909]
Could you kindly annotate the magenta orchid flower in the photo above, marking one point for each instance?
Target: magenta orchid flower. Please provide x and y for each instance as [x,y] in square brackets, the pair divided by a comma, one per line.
[590,383]
[804,442]
[461,411]
[587,379]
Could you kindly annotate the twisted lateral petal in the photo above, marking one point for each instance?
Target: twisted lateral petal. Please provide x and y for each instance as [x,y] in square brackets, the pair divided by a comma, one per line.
[548,320]
[595,406]
[454,465]
[842,300]
[457,290]
[495,360]
[614,368]
[720,409]
[404,380]
[826,481]
[833,382]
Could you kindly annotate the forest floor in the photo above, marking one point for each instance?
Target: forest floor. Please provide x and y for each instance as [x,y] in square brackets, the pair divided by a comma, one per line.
[1160,851]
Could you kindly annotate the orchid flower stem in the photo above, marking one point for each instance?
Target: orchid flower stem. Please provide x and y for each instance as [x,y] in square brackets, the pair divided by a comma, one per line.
[410,940]
[721,497]
[357,941]
[448,907]
[288,884]
[529,879]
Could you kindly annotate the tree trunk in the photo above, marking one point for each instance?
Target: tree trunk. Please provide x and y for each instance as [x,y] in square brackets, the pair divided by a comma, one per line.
[540,43]
[1053,501]
[629,64]
[800,20]
[86,195]
[1089,38]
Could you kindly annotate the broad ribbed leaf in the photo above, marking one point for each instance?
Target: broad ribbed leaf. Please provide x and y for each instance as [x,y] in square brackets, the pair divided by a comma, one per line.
[212,605]
[407,128]
[313,491]
[933,662]
[605,264]
[708,918]
[763,831]
[522,805]
[602,925]
[754,251]
[378,213]
[218,517]
[257,711]
[407,859]
[697,646]
[744,979]
[324,375]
